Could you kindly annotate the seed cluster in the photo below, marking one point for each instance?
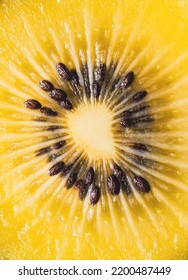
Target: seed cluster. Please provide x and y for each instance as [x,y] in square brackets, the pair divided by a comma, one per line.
[120,179]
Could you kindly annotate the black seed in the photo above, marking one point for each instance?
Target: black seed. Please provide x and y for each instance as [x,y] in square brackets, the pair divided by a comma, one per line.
[125,114]
[74,77]
[66,169]
[54,127]
[53,157]
[118,171]
[66,104]
[48,111]
[127,80]
[135,109]
[138,96]
[71,180]
[139,160]
[122,178]
[96,89]
[100,73]
[58,94]
[127,122]
[141,184]
[95,195]
[80,184]
[86,79]
[58,145]
[82,193]
[140,146]
[63,71]
[89,177]
[56,168]
[43,151]
[131,122]
[32,104]
[46,85]
[113,185]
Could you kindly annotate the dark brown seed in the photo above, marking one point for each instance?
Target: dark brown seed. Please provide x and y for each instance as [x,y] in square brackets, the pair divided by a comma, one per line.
[86,79]
[83,193]
[43,151]
[127,122]
[54,127]
[71,180]
[95,195]
[100,73]
[56,168]
[125,114]
[63,71]
[122,178]
[80,184]
[48,111]
[127,80]
[32,104]
[66,169]
[118,171]
[135,109]
[89,176]
[74,77]
[138,96]
[58,145]
[66,104]
[113,185]
[134,121]
[96,89]
[58,94]
[141,184]
[46,85]
[139,160]
[140,146]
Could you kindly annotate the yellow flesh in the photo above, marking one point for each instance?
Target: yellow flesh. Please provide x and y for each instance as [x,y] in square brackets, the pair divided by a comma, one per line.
[39,218]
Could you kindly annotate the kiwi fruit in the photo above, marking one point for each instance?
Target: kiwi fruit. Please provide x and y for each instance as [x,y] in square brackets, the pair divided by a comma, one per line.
[94,156]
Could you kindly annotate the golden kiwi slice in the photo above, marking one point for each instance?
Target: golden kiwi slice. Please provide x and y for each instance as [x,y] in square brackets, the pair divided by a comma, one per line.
[94,129]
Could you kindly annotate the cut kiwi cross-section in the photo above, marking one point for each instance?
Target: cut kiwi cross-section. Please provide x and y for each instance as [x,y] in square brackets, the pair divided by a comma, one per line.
[91,127]
[94,129]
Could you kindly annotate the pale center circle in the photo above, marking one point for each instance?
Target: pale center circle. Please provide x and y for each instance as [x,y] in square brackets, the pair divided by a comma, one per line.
[90,127]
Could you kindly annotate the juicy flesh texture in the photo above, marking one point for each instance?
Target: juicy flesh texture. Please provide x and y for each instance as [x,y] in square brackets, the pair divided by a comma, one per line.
[39,218]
